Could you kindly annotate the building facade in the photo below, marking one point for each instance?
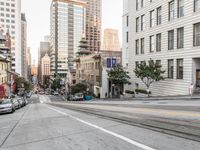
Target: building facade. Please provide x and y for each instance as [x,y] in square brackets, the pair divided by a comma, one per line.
[44,49]
[167,32]
[111,40]
[45,67]
[93,24]
[67,28]
[29,63]
[5,64]
[92,71]
[125,34]
[10,18]
[24,64]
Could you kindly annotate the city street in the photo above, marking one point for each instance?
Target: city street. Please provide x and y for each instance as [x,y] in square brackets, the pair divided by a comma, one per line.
[42,125]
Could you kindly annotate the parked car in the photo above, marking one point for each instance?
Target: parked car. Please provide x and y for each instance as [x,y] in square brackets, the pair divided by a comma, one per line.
[16,103]
[25,100]
[78,97]
[21,101]
[28,95]
[55,93]
[6,106]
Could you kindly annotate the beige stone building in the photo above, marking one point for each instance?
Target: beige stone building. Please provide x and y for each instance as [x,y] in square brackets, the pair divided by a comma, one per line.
[5,64]
[111,40]
[92,71]
[45,67]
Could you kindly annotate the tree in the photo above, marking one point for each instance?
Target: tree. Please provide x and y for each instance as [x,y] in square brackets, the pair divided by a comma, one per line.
[56,83]
[119,76]
[23,85]
[79,88]
[149,73]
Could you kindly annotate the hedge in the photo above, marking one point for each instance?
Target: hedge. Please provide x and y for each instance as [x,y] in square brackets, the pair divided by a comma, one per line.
[129,92]
[142,91]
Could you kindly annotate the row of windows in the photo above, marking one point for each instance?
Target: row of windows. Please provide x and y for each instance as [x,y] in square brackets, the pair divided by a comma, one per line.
[7,9]
[7,20]
[155,40]
[7,4]
[7,15]
[156,14]
[180,7]
[170,68]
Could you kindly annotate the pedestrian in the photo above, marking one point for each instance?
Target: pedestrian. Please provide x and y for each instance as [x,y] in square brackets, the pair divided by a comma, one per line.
[191,87]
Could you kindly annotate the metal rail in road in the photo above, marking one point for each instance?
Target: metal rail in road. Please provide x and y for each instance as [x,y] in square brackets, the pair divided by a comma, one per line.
[179,128]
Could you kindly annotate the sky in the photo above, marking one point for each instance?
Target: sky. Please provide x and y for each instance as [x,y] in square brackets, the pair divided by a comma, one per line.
[38,20]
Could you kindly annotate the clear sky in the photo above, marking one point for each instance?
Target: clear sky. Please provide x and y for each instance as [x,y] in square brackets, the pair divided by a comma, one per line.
[38,19]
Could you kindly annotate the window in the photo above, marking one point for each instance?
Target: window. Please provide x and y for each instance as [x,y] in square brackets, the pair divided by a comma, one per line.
[158,42]
[136,64]
[152,18]
[142,22]
[137,24]
[196,34]
[179,69]
[111,62]
[137,4]
[142,46]
[142,3]
[180,8]
[171,11]
[159,17]
[196,5]
[137,47]
[127,37]
[180,37]
[170,69]
[171,40]
[152,45]
[158,62]
[127,20]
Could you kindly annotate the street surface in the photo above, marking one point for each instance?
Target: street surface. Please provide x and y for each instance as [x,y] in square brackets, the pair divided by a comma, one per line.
[49,123]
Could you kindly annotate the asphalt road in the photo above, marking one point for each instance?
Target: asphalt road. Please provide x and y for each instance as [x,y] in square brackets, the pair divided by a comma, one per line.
[42,126]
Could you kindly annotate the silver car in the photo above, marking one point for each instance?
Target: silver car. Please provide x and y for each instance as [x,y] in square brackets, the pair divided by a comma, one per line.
[6,106]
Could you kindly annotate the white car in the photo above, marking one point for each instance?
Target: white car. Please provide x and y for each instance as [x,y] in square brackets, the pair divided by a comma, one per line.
[55,93]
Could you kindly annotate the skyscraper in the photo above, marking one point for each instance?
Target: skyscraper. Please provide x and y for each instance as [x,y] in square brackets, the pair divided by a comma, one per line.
[10,18]
[111,40]
[67,28]
[44,49]
[24,46]
[45,67]
[93,24]
[28,63]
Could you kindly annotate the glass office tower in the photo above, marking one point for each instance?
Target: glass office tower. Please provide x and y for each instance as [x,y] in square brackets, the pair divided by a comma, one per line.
[67,28]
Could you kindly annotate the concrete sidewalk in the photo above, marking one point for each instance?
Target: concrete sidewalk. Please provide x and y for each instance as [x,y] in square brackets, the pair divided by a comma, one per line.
[156,98]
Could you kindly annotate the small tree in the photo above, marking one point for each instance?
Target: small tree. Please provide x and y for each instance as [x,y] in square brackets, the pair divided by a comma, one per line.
[119,76]
[149,73]
[56,84]
[22,83]
[79,88]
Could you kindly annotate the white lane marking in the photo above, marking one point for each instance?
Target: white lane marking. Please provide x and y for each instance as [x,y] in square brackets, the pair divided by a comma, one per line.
[144,147]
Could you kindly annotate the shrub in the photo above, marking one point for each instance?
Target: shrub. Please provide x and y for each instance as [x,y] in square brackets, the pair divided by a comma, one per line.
[129,92]
[142,91]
